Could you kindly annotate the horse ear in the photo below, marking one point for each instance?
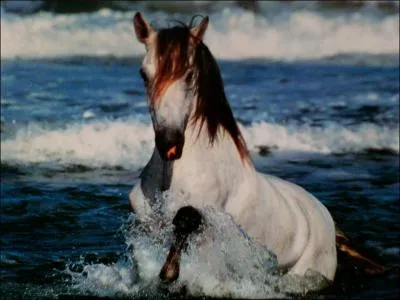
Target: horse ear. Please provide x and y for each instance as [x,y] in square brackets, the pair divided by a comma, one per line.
[143,29]
[199,30]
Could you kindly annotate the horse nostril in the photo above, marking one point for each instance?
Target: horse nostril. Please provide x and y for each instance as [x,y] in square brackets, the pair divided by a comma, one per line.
[170,143]
[171,153]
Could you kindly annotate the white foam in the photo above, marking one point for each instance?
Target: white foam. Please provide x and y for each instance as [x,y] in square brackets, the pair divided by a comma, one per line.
[232,34]
[129,143]
[229,265]
[223,261]
[106,280]
[96,144]
[331,139]
[88,114]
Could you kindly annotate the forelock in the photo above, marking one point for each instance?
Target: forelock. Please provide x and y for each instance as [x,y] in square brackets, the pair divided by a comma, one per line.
[172,56]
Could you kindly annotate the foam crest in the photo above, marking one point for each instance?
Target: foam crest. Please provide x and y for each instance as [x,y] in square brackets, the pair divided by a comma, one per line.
[97,144]
[304,35]
[129,143]
[232,34]
[333,138]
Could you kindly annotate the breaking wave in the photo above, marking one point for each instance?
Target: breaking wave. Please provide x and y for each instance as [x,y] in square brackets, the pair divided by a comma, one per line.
[129,143]
[233,34]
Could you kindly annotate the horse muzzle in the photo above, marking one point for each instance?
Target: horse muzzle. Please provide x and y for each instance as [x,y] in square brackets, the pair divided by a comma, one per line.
[170,143]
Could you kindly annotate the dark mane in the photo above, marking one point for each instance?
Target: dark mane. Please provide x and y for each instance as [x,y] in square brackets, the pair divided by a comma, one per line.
[212,108]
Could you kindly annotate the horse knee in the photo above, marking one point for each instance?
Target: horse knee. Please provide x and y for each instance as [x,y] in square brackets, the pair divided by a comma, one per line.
[319,259]
[139,203]
[133,200]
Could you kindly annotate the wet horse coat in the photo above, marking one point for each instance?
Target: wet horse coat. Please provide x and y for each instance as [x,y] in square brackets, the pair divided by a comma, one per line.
[200,157]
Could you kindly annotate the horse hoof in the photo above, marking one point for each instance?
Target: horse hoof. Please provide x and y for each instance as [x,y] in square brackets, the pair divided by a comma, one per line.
[170,271]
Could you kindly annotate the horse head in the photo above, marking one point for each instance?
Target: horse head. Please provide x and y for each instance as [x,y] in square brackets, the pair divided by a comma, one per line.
[184,86]
[168,74]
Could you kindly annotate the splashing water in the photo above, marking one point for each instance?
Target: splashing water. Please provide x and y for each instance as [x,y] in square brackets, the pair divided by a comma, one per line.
[219,261]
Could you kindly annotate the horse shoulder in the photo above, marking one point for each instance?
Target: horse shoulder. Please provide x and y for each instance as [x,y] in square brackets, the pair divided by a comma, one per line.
[204,173]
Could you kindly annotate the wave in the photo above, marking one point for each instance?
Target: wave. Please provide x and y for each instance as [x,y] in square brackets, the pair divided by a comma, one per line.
[128,144]
[68,7]
[233,33]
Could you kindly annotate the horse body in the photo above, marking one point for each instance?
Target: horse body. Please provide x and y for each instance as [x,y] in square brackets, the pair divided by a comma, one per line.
[203,161]
[279,214]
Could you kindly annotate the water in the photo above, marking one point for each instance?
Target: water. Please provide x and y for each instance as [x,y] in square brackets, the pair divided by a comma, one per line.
[316,94]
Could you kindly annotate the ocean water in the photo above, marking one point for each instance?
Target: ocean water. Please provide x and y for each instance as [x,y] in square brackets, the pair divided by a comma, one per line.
[316,95]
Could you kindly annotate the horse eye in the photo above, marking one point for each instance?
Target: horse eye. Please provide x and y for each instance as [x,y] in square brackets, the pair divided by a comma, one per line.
[144,77]
[189,77]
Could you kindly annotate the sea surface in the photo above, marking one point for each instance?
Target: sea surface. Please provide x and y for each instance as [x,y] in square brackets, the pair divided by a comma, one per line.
[316,94]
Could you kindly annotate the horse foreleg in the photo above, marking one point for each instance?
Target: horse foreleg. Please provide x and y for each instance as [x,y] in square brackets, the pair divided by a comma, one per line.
[186,221]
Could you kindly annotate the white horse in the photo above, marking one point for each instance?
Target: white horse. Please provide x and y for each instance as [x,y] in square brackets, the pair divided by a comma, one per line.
[200,156]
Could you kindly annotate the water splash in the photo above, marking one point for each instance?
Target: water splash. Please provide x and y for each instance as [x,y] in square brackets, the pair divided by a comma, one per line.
[220,261]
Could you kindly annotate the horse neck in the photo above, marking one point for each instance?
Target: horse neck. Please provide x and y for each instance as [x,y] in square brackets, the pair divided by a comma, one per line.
[222,156]
[206,171]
